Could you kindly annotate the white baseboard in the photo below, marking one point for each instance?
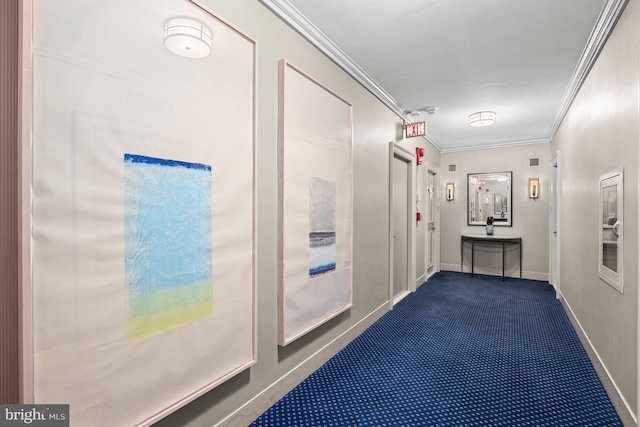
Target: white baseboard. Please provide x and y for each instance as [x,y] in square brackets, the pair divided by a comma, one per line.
[400,297]
[575,321]
[449,267]
[531,275]
[251,410]
[535,275]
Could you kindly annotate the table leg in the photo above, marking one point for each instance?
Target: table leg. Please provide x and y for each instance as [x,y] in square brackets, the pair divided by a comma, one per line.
[472,256]
[521,260]
[503,256]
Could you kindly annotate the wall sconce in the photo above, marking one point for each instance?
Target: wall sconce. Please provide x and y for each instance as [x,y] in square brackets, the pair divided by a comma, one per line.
[449,191]
[187,37]
[534,188]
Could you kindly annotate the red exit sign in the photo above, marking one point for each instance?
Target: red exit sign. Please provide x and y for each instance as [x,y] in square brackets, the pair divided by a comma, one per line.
[416,129]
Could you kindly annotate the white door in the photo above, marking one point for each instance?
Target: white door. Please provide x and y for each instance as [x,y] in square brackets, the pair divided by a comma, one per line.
[400,228]
[402,271]
[432,249]
[554,225]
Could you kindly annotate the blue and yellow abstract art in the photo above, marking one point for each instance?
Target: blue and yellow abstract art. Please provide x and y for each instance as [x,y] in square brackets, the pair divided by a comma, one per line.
[322,223]
[168,243]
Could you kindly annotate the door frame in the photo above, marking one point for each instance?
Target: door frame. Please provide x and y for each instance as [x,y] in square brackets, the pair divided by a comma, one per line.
[554,235]
[396,151]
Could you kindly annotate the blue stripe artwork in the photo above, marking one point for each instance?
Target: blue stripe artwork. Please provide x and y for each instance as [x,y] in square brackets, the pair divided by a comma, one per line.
[168,244]
[322,225]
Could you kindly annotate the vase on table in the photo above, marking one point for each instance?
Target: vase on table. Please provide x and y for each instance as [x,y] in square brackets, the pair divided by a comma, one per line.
[490,226]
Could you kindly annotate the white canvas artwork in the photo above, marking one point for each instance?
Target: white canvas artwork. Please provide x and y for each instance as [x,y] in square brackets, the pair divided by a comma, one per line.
[144,288]
[315,180]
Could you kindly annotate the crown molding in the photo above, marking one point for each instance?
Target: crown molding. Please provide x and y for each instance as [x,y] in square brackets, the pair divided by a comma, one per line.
[296,20]
[607,20]
[496,144]
[290,15]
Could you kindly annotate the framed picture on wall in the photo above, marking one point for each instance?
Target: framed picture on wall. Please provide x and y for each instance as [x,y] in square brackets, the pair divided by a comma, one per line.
[315,203]
[144,294]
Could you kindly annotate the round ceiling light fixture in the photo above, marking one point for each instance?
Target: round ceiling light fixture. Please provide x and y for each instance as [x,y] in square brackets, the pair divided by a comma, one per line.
[482,118]
[187,37]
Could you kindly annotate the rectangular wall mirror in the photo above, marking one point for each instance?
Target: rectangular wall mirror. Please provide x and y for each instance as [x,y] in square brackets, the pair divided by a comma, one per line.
[489,194]
[610,228]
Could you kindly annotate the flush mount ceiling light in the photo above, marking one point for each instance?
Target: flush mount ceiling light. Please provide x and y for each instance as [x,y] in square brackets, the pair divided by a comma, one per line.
[187,37]
[482,118]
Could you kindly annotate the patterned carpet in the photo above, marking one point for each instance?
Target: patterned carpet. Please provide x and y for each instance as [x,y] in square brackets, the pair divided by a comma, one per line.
[460,351]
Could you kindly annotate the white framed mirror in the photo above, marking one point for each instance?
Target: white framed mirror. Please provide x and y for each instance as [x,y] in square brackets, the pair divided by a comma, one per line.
[610,228]
[489,194]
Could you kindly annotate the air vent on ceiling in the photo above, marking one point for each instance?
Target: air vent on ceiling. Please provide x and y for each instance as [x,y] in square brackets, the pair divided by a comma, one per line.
[452,168]
[534,161]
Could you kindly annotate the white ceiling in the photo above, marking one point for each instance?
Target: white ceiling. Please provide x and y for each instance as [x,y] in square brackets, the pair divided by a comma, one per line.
[523,59]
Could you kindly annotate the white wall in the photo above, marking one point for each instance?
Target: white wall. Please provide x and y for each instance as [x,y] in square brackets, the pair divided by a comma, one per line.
[530,216]
[599,133]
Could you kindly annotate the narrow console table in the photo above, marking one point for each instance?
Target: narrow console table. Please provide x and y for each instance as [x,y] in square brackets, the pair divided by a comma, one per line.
[489,240]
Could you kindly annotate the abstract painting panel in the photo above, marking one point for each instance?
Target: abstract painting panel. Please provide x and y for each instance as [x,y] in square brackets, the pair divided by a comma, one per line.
[168,244]
[315,203]
[140,263]
[322,225]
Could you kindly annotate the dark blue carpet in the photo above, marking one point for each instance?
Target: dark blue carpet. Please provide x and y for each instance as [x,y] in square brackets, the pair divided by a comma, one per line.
[460,351]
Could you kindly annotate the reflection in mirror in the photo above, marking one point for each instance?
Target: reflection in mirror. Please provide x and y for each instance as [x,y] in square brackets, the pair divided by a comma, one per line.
[500,204]
[489,194]
[609,220]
